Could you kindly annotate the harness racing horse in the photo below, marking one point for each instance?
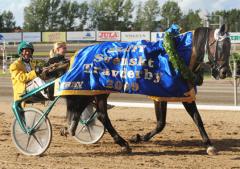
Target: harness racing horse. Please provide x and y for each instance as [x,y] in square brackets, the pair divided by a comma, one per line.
[205,41]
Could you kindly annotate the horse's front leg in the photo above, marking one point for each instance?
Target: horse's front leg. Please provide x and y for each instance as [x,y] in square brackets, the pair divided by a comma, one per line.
[101,102]
[193,112]
[75,107]
[160,112]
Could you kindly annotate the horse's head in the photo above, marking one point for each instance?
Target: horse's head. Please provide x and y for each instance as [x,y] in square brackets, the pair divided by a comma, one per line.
[219,46]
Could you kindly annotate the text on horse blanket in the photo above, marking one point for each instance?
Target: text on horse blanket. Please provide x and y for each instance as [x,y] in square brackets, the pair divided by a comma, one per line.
[139,67]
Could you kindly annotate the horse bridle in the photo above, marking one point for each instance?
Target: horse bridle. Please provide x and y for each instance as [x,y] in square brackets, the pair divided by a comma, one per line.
[214,62]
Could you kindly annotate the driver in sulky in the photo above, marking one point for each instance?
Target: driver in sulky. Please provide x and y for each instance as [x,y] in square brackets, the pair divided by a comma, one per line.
[25,74]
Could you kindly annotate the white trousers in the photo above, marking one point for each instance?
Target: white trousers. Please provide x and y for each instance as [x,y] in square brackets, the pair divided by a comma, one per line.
[36,83]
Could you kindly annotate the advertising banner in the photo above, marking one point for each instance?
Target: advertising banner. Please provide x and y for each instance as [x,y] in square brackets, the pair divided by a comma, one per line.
[32,36]
[235,37]
[12,37]
[134,36]
[81,36]
[156,36]
[53,36]
[108,35]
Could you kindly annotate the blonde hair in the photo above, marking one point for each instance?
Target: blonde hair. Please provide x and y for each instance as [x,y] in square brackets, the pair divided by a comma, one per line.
[56,45]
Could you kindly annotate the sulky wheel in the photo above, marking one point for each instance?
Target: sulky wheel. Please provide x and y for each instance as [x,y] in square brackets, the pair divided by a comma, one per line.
[89,130]
[37,141]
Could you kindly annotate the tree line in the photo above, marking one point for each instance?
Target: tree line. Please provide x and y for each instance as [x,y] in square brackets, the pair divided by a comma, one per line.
[123,15]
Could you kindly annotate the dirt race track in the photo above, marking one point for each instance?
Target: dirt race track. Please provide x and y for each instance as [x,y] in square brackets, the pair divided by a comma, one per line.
[178,146]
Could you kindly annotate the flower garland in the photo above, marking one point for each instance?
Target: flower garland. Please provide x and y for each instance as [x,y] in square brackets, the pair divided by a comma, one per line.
[177,62]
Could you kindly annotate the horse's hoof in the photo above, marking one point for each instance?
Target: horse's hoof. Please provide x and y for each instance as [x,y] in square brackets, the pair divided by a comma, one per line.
[71,132]
[212,150]
[109,106]
[72,128]
[64,131]
[135,139]
[126,150]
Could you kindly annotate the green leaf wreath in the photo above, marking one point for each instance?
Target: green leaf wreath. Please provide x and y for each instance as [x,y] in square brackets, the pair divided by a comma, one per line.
[177,62]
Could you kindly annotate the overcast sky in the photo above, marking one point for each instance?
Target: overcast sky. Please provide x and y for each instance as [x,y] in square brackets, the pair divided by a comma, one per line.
[17,6]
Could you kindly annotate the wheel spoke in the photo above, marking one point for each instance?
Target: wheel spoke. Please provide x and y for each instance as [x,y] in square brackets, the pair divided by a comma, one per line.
[19,130]
[17,135]
[39,130]
[95,125]
[40,125]
[81,129]
[39,143]
[89,132]
[33,122]
[28,141]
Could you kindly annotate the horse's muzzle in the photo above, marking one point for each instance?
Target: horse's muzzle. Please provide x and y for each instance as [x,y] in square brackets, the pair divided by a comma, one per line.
[225,72]
[221,73]
[215,74]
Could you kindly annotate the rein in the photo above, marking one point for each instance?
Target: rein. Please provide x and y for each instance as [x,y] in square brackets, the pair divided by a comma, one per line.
[212,43]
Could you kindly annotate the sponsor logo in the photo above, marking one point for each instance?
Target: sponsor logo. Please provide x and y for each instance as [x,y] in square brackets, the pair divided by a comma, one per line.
[108,35]
[88,34]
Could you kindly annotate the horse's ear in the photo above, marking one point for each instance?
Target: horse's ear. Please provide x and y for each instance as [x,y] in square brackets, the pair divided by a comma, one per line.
[226,28]
[223,29]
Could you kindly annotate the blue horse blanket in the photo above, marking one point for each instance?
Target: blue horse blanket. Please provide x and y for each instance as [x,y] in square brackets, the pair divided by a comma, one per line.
[139,67]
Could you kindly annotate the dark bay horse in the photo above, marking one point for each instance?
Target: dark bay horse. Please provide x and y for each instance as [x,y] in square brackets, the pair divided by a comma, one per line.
[205,41]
